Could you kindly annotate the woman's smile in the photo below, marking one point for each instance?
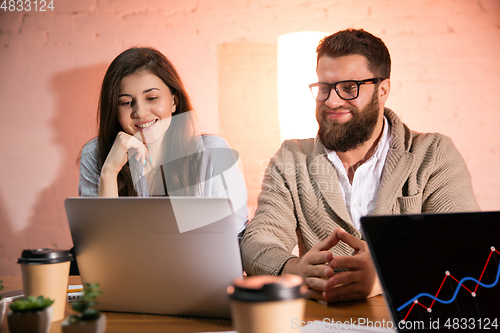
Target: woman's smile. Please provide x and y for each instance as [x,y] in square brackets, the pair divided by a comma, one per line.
[146,125]
[145,105]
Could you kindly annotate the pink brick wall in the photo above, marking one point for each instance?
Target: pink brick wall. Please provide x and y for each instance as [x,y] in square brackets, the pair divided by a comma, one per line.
[248,107]
[445,79]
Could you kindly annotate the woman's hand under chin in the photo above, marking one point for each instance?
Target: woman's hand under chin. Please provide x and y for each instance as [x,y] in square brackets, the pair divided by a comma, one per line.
[124,147]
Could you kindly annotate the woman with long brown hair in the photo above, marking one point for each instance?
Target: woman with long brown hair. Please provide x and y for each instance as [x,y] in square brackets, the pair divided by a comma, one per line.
[148,141]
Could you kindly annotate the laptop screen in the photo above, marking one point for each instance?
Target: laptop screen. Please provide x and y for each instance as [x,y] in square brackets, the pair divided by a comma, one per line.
[438,270]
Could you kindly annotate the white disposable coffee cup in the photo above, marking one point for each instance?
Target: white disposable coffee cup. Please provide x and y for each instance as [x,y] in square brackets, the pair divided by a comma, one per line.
[45,273]
[267,304]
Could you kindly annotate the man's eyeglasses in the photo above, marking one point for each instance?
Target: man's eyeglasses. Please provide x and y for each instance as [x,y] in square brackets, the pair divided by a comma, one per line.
[347,90]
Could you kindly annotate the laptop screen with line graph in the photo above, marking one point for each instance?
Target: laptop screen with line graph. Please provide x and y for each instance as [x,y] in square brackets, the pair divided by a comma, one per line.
[438,270]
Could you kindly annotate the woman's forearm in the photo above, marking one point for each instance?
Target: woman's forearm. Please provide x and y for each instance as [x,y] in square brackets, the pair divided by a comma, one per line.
[108,185]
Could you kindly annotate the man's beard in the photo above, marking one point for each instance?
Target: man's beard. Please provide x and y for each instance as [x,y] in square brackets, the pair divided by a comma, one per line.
[350,135]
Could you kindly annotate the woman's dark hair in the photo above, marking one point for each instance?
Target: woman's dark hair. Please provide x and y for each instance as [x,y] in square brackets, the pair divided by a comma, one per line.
[180,132]
[353,41]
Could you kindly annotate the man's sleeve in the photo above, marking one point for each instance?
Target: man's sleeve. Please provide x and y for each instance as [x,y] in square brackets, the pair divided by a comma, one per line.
[271,235]
[449,187]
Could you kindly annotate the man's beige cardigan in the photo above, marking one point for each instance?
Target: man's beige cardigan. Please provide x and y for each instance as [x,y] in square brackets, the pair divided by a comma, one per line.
[301,195]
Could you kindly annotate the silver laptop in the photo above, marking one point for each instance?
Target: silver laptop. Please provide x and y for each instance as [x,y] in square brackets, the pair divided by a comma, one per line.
[159,255]
[438,271]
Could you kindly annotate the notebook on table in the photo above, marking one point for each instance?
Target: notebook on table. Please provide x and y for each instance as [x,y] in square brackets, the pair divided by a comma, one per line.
[159,255]
[438,271]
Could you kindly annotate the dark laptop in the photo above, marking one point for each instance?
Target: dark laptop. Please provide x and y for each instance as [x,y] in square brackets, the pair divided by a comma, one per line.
[438,271]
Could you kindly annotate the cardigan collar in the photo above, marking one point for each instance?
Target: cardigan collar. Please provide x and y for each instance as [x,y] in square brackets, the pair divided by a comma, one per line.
[397,166]
[323,172]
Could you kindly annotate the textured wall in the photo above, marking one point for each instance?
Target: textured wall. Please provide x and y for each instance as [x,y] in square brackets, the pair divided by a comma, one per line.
[248,107]
[445,79]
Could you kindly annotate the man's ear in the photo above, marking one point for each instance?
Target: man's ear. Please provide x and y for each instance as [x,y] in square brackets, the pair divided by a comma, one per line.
[383,90]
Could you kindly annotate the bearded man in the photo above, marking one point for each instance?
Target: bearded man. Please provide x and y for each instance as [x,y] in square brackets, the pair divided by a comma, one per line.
[363,161]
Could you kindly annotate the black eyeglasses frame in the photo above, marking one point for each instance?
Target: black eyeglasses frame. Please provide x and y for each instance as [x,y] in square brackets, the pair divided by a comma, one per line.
[373,80]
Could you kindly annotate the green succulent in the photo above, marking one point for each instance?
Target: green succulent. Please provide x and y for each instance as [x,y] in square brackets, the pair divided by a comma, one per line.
[85,305]
[30,304]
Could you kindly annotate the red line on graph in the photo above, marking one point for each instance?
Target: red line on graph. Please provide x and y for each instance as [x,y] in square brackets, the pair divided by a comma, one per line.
[441,286]
[422,305]
[410,310]
[456,280]
[487,261]
[473,293]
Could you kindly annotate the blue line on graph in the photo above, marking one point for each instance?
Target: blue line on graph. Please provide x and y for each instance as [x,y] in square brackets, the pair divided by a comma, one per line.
[456,291]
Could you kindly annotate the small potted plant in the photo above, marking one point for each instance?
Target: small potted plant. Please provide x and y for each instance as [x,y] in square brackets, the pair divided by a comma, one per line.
[89,319]
[2,304]
[30,314]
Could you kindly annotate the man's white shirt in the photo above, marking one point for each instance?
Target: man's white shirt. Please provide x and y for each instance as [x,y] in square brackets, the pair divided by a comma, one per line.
[360,196]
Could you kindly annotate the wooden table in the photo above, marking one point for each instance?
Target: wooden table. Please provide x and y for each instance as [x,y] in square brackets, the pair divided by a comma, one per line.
[373,309]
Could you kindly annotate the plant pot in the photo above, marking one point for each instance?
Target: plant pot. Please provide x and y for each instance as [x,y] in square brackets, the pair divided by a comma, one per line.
[36,322]
[3,305]
[94,326]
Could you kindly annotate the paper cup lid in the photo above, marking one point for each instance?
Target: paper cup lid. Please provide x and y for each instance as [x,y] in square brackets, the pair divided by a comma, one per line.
[267,288]
[44,256]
